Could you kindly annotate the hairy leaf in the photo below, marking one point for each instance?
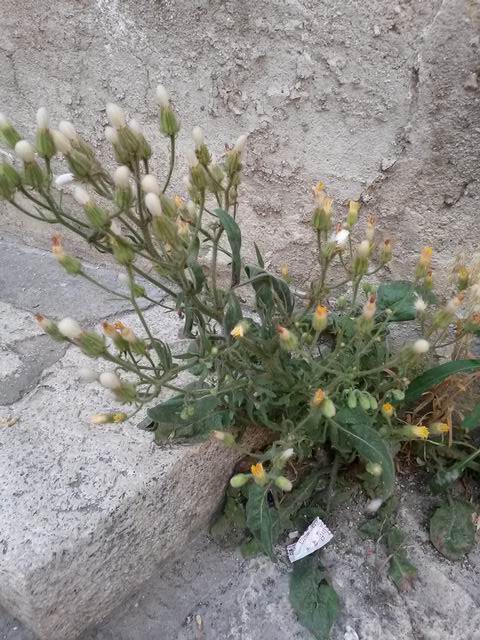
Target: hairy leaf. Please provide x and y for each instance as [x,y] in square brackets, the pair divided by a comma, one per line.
[355,424]
[312,598]
[452,531]
[235,239]
[401,571]
[472,421]
[260,519]
[434,376]
[400,296]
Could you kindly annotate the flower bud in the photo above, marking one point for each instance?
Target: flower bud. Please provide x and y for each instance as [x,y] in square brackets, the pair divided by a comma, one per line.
[92,344]
[353,209]
[121,177]
[68,130]
[152,202]
[61,142]
[24,151]
[286,455]
[239,480]
[240,329]
[421,346]
[318,398]
[115,115]
[49,327]
[374,469]
[198,137]
[463,278]
[363,249]
[169,125]
[341,238]
[283,483]
[416,431]
[10,180]
[370,232]
[328,408]
[420,305]
[288,340]
[227,438]
[320,319]
[87,375]
[352,399]
[119,416]
[424,262]
[70,328]
[111,135]
[240,144]
[192,159]
[322,215]
[110,380]
[150,184]
[8,132]
[438,428]
[369,308]
[364,400]
[122,251]
[161,95]
[386,254]
[42,118]
[398,395]
[387,410]
[101,418]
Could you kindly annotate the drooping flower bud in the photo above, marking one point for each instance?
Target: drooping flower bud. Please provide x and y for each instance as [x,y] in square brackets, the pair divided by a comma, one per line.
[374,469]
[70,328]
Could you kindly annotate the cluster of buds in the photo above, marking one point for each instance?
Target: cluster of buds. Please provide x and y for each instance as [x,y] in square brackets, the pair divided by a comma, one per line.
[322,214]
[365,400]
[262,478]
[128,142]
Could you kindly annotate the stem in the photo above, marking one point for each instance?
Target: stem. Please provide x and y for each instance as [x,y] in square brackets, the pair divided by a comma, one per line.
[172,163]
[102,286]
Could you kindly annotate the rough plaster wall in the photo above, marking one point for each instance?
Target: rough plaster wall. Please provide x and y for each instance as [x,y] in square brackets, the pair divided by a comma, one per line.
[378,98]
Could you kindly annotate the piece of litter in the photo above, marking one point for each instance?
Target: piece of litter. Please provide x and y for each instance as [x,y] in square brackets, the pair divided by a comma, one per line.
[350,634]
[315,537]
[293,534]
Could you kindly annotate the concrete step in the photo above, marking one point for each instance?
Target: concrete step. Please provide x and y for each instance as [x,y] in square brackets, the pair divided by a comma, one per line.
[87,511]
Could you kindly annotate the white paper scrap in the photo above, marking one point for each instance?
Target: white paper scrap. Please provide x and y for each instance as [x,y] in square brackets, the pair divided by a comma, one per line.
[315,537]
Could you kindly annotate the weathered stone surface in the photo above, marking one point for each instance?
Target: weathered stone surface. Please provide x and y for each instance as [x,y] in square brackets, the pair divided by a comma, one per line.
[379,100]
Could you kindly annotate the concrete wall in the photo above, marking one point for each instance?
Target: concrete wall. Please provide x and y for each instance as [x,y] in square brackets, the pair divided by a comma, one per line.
[378,98]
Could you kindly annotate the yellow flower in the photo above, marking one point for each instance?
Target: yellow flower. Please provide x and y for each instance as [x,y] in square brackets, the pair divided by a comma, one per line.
[437,428]
[353,209]
[418,431]
[318,398]
[119,417]
[320,318]
[319,188]
[259,474]
[284,271]
[387,409]
[426,256]
[239,330]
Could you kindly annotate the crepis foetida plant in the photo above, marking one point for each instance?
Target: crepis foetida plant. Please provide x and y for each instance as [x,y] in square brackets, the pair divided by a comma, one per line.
[314,368]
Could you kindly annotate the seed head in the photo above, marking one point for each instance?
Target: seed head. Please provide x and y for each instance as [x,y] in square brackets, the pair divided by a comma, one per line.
[24,151]
[150,184]
[121,177]
[198,137]
[82,196]
[110,380]
[68,130]
[152,202]
[42,118]
[61,142]
[421,346]
[115,115]
[70,328]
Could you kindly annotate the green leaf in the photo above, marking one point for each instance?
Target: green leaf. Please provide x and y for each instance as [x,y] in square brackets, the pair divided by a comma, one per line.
[259,518]
[295,500]
[400,297]
[401,571]
[196,274]
[235,239]
[260,261]
[452,531]
[205,417]
[312,598]
[355,424]
[435,375]
[267,287]
[251,548]
[232,313]
[472,421]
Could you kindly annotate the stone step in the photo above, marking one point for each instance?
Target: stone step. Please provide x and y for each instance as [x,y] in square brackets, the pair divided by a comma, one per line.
[87,511]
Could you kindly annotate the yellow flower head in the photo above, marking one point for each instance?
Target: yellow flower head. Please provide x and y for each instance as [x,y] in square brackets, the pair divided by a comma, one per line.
[319,188]
[438,428]
[426,256]
[259,474]
[284,271]
[387,409]
[179,202]
[119,417]
[318,397]
[239,330]
[419,431]
[321,311]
